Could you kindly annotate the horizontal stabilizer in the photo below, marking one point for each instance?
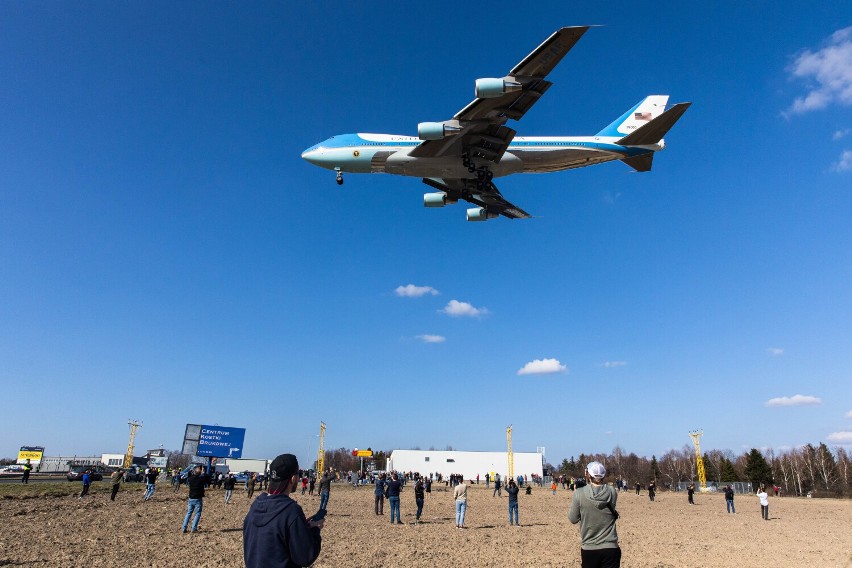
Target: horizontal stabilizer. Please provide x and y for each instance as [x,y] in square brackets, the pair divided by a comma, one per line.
[640,163]
[653,132]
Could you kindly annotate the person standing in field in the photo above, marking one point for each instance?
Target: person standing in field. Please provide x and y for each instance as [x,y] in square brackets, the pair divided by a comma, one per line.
[312,483]
[151,482]
[28,467]
[729,499]
[87,481]
[460,497]
[251,480]
[304,483]
[196,482]
[380,494]
[394,489]
[229,483]
[513,491]
[690,493]
[763,497]
[652,489]
[593,506]
[497,486]
[553,486]
[419,498]
[325,488]
[275,531]
[116,478]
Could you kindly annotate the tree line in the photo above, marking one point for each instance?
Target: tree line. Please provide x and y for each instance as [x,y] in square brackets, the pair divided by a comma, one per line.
[815,470]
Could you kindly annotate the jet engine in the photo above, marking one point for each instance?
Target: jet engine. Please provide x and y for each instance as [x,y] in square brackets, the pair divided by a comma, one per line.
[480,214]
[491,88]
[435,199]
[435,130]
[438,199]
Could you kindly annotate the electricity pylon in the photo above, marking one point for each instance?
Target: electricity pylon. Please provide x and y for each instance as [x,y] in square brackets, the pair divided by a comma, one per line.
[699,461]
[321,452]
[511,455]
[128,457]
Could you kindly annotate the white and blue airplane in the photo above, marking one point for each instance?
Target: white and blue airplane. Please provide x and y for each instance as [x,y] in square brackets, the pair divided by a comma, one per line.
[460,157]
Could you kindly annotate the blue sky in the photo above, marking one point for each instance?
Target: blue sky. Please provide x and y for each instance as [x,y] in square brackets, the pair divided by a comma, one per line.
[167,256]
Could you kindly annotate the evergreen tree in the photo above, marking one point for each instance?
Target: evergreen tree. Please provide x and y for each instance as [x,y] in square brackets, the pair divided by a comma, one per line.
[728,472]
[710,468]
[757,469]
[572,467]
[654,469]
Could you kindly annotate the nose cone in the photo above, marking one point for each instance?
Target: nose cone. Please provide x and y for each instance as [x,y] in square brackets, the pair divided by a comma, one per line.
[312,155]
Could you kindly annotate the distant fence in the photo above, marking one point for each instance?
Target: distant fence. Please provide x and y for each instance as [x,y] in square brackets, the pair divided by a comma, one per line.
[715,487]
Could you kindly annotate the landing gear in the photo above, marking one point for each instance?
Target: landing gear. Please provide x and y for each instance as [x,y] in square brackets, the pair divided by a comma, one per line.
[339,178]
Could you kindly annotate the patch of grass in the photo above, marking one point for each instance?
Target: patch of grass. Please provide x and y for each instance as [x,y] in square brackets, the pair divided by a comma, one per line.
[60,489]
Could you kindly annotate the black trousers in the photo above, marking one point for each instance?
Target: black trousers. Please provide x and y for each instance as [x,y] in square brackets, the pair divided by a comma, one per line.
[115,487]
[380,504]
[601,558]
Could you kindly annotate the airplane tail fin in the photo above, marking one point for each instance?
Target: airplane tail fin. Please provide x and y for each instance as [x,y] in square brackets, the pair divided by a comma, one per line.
[647,110]
[652,132]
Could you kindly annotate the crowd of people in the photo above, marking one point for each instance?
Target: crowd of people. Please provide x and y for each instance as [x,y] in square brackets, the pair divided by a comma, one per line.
[277,532]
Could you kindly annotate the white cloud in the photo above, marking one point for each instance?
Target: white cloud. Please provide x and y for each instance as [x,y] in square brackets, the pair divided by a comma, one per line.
[775,351]
[543,367]
[840,437]
[844,163]
[838,134]
[412,291]
[849,414]
[426,338]
[828,71]
[795,400]
[611,364]
[462,309]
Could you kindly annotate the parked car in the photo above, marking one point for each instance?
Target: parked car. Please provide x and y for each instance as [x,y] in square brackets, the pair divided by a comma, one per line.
[133,473]
[12,469]
[75,473]
[242,476]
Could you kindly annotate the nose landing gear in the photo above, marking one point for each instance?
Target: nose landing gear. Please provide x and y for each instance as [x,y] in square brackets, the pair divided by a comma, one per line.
[339,177]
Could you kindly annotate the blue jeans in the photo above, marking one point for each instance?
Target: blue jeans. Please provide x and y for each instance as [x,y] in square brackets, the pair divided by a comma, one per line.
[513,507]
[193,505]
[394,505]
[461,506]
[149,492]
[323,500]
[730,504]
[419,508]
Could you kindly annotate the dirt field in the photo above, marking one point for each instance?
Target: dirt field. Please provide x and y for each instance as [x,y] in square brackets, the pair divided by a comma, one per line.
[63,531]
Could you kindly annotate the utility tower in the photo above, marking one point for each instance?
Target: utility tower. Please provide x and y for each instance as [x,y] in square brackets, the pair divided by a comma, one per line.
[699,461]
[511,455]
[128,457]
[321,452]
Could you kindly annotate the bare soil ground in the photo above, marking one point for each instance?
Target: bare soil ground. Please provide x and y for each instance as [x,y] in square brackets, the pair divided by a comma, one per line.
[60,530]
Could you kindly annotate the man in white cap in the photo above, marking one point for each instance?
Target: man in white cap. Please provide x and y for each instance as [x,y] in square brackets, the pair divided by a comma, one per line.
[593,506]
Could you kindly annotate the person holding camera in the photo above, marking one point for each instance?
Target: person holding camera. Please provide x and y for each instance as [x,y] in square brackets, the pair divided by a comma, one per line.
[593,506]
[275,531]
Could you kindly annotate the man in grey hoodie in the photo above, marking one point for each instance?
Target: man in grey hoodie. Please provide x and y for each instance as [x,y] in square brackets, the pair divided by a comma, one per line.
[593,506]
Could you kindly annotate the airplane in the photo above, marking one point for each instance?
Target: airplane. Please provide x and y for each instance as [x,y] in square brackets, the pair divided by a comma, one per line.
[462,156]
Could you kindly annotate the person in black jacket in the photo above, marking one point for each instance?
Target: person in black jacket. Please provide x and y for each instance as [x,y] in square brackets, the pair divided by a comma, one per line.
[419,498]
[275,531]
[229,484]
[196,483]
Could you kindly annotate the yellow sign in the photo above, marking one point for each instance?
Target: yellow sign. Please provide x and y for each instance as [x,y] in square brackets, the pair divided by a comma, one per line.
[364,454]
[33,456]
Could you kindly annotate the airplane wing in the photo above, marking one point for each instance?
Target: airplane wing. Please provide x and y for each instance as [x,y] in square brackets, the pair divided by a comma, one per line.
[479,127]
[488,196]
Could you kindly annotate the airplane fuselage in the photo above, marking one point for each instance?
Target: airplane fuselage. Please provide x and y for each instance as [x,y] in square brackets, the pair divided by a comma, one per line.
[388,153]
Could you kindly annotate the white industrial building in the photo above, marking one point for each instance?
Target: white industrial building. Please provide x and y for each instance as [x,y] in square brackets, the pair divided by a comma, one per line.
[468,464]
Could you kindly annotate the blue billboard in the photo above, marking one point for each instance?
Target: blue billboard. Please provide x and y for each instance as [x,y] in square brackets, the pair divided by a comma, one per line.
[214,441]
